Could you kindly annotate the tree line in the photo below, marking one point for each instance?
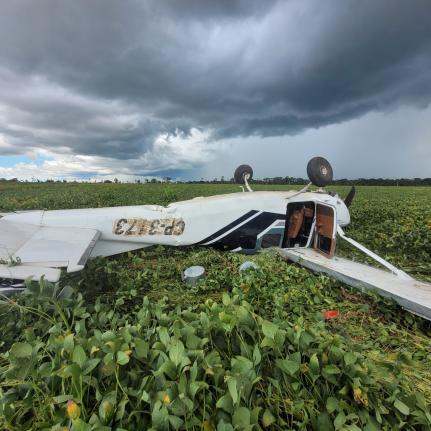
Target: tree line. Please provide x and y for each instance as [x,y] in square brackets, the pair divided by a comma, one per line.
[342,181]
[272,180]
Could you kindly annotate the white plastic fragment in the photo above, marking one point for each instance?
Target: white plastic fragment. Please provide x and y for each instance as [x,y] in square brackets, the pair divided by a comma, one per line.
[248,265]
[192,274]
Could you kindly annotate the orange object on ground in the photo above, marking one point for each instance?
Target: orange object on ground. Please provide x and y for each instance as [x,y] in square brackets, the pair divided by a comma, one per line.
[331,314]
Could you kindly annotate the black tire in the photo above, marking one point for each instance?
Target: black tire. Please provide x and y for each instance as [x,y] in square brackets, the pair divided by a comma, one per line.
[319,171]
[241,171]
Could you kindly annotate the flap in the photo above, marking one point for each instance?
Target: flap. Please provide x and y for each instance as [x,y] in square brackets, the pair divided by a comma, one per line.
[46,246]
[413,295]
[22,272]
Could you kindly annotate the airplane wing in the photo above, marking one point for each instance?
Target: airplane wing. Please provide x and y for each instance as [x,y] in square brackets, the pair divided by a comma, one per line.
[32,251]
[411,294]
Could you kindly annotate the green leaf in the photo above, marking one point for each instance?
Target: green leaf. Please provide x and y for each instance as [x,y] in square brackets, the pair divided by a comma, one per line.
[324,422]
[269,329]
[66,292]
[350,358]
[90,365]
[175,421]
[193,342]
[224,426]
[72,370]
[331,404]
[340,420]
[107,409]
[176,352]
[232,386]
[163,335]
[331,369]
[122,358]
[399,405]
[314,364]
[79,356]
[126,335]
[60,399]
[68,343]
[141,348]
[225,403]
[257,357]
[159,416]
[267,418]
[80,425]
[371,425]
[196,386]
[290,367]
[225,299]
[168,368]
[21,351]
[241,418]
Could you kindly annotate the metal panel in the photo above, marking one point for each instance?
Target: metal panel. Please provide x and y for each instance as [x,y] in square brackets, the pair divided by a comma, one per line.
[55,246]
[13,236]
[41,246]
[22,272]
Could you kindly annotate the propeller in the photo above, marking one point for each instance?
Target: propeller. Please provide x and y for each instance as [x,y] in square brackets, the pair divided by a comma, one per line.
[349,198]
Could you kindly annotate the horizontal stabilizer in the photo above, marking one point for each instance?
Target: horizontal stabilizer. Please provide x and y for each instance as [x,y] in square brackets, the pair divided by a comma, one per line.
[30,246]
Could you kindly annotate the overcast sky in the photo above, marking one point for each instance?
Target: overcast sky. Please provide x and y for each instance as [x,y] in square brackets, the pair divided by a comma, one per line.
[193,88]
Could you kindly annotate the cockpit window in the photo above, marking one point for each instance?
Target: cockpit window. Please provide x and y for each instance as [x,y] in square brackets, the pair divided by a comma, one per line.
[271,240]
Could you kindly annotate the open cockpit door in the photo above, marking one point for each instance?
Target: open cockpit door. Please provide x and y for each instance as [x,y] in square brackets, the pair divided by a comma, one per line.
[310,224]
[325,230]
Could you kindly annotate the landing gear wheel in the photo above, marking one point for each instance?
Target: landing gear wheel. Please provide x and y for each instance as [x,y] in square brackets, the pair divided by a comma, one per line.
[240,173]
[319,171]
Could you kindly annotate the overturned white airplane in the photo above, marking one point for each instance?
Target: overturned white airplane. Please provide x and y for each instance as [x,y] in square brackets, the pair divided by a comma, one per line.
[302,224]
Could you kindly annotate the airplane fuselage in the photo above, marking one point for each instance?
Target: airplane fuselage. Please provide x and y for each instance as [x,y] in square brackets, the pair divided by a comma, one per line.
[222,221]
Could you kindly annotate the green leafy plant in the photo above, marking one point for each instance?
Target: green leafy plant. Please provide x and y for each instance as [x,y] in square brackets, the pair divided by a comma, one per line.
[127,345]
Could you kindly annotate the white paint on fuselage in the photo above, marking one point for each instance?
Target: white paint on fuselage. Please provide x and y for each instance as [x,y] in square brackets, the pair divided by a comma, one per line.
[202,216]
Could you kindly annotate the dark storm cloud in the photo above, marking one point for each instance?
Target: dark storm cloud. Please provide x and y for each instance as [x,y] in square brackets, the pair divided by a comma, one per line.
[107,77]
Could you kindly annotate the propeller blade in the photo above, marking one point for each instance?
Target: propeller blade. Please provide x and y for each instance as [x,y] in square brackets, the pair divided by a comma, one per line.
[350,196]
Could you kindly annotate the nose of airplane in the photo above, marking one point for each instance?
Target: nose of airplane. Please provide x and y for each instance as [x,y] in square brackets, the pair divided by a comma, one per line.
[343,213]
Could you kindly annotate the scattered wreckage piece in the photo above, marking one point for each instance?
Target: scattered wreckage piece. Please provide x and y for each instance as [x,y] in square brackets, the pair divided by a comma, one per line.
[193,274]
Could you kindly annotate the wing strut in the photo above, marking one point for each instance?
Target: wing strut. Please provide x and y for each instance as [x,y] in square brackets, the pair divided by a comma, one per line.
[374,256]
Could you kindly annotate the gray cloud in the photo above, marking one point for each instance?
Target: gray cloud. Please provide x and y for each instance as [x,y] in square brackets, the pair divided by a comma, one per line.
[105,78]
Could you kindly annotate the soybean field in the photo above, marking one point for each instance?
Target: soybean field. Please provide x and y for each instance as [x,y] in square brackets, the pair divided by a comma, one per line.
[126,345]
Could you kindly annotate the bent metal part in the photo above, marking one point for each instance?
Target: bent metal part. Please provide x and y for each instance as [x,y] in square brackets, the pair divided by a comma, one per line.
[304,225]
